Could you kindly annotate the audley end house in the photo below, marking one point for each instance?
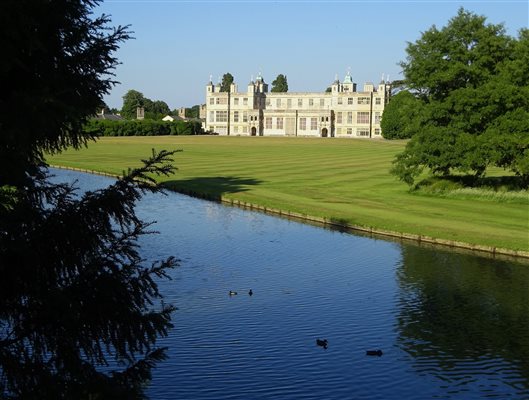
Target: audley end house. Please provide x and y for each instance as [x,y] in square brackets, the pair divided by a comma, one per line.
[342,112]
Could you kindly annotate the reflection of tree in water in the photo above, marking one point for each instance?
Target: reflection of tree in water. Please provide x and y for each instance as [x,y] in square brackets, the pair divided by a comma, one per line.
[465,319]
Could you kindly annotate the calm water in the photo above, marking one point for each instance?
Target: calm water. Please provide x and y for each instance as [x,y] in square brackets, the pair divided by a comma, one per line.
[451,326]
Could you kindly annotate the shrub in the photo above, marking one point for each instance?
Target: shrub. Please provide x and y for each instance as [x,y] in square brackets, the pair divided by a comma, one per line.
[141,128]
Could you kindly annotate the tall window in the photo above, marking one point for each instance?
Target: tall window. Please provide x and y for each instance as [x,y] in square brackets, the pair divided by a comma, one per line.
[236,116]
[303,124]
[221,116]
[311,102]
[377,131]
[300,102]
[278,103]
[362,117]
[236,101]
[349,100]
[349,131]
[313,124]
[211,116]
[211,100]
[377,117]
[349,117]
[268,123]
[340,100]
[377,100]
[279,123]
[322,102]
[338,117]
[245,101]
[289,103]
[244,116]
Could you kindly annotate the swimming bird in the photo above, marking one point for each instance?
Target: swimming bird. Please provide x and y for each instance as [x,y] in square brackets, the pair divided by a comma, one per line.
[232,293]
[323,343]
[377,353]
[250,292]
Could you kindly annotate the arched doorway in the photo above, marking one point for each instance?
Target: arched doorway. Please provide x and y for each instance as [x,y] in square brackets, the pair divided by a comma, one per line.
[324,132]
[253,131]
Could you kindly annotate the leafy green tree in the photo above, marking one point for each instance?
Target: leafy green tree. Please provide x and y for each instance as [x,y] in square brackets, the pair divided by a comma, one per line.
[131,101]
[227,80]
[280,84]
[156,110]
[160,107]
[400,120]
[469,79]
[75,293]
[193,112]
[401,116]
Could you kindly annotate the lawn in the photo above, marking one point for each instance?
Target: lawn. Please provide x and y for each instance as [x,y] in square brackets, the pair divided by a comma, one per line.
[342,179]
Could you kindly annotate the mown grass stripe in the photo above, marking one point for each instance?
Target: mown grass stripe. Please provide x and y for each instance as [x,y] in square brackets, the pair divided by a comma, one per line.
[343,179]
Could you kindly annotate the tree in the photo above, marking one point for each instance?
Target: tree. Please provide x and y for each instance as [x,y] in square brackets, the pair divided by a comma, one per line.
[131,101]
[227,80]
[280,85]
[401,115]
[469,78]
[160,107]
[193,112]
[75,291]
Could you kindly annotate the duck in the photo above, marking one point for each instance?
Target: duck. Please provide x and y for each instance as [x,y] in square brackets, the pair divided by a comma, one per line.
[322,342]
[250,292]
[232,293]
[377,353]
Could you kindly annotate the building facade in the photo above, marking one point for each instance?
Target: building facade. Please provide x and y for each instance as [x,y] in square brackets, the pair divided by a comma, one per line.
[342,112]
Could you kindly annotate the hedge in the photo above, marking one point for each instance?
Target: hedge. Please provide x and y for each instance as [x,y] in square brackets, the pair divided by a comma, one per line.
[142,128]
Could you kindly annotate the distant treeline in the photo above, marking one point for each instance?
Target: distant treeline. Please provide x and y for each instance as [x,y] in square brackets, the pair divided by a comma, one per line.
[142,128]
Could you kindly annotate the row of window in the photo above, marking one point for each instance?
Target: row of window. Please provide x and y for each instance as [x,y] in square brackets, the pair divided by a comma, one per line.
[362,117]
[222,116]
[313,124]
[321,102]
[236,116]
[279,122]
[279,102]
[239,129]
[362,132]
[224,100]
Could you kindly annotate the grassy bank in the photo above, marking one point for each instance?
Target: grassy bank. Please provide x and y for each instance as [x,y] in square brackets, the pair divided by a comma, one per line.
[342,179]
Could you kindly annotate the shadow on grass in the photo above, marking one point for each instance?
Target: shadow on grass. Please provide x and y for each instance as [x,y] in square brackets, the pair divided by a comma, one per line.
[211,188]
[508,183]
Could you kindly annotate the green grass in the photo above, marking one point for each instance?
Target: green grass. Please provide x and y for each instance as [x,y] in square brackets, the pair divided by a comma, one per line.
[340,179]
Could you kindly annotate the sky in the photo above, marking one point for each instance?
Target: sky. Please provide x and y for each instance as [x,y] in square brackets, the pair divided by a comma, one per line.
[179,44]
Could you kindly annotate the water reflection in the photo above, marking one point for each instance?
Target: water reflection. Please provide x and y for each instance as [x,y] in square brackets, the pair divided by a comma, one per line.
[464,320]
[448,325]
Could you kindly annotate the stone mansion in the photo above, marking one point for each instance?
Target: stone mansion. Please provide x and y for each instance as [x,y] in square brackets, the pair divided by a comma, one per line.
[342,112]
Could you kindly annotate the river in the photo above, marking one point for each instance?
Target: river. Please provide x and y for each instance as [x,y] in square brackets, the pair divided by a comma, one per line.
[450,325]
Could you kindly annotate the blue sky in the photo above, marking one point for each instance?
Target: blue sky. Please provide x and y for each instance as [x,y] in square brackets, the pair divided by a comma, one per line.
[179,44]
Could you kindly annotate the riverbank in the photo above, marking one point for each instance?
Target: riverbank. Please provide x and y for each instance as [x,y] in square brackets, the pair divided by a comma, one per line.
[344,183]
